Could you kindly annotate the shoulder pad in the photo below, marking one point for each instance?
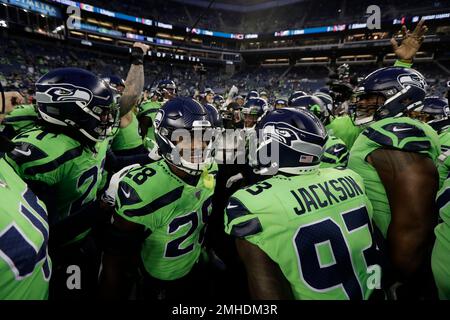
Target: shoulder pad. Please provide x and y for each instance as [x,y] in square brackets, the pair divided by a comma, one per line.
[335,151]
[30,146]
[249,225]
[142,185]
[400,135]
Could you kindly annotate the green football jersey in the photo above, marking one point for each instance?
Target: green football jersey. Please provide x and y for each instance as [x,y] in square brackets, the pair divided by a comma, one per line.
[173,211]
[127,138]
[392,133]
[149,109]
[25,266]
[444,139]
[344,129]
[316,227]
[73,171]
[335,153]
[440,260]
[21,118]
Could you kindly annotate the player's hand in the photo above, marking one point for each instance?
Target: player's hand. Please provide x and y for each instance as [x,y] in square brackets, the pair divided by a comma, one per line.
[109,197]
[12,99]
[411,42]
[154,154]
[141,45]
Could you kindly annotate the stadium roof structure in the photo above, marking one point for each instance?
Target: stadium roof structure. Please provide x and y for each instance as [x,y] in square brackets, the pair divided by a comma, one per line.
[240,5]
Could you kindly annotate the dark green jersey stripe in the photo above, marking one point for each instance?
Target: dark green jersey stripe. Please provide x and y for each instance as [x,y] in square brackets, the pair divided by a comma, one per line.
[52,165]
[156,204]
[246,228]
[13,120]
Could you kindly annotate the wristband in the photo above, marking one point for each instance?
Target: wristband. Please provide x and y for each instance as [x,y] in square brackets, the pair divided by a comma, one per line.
[137,56]
[403,63]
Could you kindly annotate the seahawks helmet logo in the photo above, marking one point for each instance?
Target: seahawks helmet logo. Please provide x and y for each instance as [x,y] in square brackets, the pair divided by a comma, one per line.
[158,118]
[284,135]
[62,93]
[415,80]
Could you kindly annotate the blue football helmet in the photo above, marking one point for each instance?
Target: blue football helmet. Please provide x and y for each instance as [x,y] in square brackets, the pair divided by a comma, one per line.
[400,89]
[313,104]
[280,103]
[168,88]
[295,95]
[179,122]
[436,113]
[252,94]
[252,110]
[78,100]
[218,101]
[216,118]
[326,98]
[289,140]
[436,107]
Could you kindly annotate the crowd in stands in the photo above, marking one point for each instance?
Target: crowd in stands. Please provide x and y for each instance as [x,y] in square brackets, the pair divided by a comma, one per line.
[307,13]
[23,62]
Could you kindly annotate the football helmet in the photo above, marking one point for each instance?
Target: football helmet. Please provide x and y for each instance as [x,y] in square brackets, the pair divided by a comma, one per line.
[280,103]
[252,110]
[78,100]
[289,140]
[167,88]
[295,95]
[313,104]
[182,126]
[397,90]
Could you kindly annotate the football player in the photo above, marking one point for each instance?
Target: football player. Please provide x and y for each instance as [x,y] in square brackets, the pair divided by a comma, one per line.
[396,157]
[336,152]
[218,102]
[168,89]
[252,110]
[162,209]
[21,118]
[280,103]
[295,95]
[304,232]
[25,266]
[62,161]
[436,113]
[440,262]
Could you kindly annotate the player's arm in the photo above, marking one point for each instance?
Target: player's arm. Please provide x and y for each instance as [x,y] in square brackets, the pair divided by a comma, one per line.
[126,120]
[411,182]
[122,243]
[265,279]
[135,79]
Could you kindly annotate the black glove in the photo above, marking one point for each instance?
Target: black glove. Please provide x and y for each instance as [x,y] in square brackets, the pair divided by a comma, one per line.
[137,56]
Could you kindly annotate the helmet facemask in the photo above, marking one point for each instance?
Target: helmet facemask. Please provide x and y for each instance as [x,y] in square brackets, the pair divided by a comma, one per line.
[109,121]
[193,150]
[364,106]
